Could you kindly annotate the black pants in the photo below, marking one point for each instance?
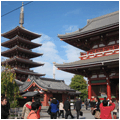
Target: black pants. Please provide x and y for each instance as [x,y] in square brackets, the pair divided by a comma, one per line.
[68,113]
[54,115]
[78,113]
[61,111]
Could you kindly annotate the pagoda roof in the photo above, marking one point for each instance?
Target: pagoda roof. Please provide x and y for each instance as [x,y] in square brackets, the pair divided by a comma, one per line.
[20,30]
[89,62]
[21,60]
[46,84]
[20,40]
[93,26]
[26,72]
[8,53]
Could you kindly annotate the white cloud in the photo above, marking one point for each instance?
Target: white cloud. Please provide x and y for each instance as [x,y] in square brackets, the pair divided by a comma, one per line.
[77,11]
[70,28]
[42,38]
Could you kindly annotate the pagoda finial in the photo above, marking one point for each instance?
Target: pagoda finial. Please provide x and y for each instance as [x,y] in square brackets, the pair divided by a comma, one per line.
[21,22]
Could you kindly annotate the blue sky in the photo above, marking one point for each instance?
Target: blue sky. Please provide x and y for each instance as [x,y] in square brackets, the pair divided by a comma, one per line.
[51,18]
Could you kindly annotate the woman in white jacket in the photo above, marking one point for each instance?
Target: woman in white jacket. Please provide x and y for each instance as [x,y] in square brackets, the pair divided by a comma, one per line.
[61,109]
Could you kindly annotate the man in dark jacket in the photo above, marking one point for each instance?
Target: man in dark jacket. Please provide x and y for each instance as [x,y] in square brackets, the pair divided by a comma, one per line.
[67,109]
[4,113]
[7,106]
[77,107]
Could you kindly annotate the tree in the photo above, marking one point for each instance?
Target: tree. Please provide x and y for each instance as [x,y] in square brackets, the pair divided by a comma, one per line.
[8,85]
[79,83]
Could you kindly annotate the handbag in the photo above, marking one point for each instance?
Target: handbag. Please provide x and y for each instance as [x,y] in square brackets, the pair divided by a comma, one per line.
[81,113]
[93,112]
[97,114]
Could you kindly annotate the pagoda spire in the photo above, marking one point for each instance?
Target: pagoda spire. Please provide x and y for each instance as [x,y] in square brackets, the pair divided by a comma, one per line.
[21,22]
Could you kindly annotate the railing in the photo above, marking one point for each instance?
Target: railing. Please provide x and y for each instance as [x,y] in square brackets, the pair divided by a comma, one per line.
[100,52]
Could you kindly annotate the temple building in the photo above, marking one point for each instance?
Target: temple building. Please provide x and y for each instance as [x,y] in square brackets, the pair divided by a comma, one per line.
[100,61]
[31,83]
[46,88]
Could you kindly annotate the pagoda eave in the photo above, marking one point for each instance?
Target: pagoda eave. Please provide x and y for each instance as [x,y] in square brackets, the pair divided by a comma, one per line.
[17,30]
[18,39]
[26,72]
[20,60]
[15,49]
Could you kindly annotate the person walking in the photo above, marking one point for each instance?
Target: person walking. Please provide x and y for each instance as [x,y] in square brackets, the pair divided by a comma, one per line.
[49,101]
[77,107]
[86,104]
[54,108]
[26,110]
[7,106]
[115,110]
[4,113]
[67,109]
[61,109]
[106,110]
[97,108]
[58,109]
[33,112]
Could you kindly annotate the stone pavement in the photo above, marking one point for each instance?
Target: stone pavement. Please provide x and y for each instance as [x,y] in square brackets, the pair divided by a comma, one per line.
[44,115]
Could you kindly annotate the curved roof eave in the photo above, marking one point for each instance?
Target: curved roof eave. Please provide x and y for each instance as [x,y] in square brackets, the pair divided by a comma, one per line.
[20,39]
[79,33]
[30,83]
[21,49]
[87,62]
[27,72]
[95,24]
[23,29]
[22,60]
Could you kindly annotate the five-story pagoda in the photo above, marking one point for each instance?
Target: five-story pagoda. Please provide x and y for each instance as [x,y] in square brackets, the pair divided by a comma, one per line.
[19,52]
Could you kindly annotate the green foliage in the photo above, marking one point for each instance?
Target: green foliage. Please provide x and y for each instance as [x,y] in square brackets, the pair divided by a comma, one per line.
[8,85]
[78,83]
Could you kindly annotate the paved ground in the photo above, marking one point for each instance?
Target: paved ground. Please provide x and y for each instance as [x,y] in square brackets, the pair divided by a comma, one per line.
[86,114]
[44,115]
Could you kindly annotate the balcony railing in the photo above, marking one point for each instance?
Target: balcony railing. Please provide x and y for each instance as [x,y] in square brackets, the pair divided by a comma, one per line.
[100,52]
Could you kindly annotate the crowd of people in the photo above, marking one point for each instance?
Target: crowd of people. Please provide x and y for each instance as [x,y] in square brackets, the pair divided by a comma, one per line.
[102,110]
[31,109]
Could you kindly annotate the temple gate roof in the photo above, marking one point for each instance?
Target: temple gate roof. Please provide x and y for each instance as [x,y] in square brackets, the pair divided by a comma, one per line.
[88,62]
[94,25]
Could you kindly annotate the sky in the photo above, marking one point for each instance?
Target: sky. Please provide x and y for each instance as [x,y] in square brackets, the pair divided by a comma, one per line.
[50,18]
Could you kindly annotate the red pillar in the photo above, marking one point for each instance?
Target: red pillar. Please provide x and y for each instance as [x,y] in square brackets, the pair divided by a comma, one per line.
[45,99]
[108,89]
[89,91]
